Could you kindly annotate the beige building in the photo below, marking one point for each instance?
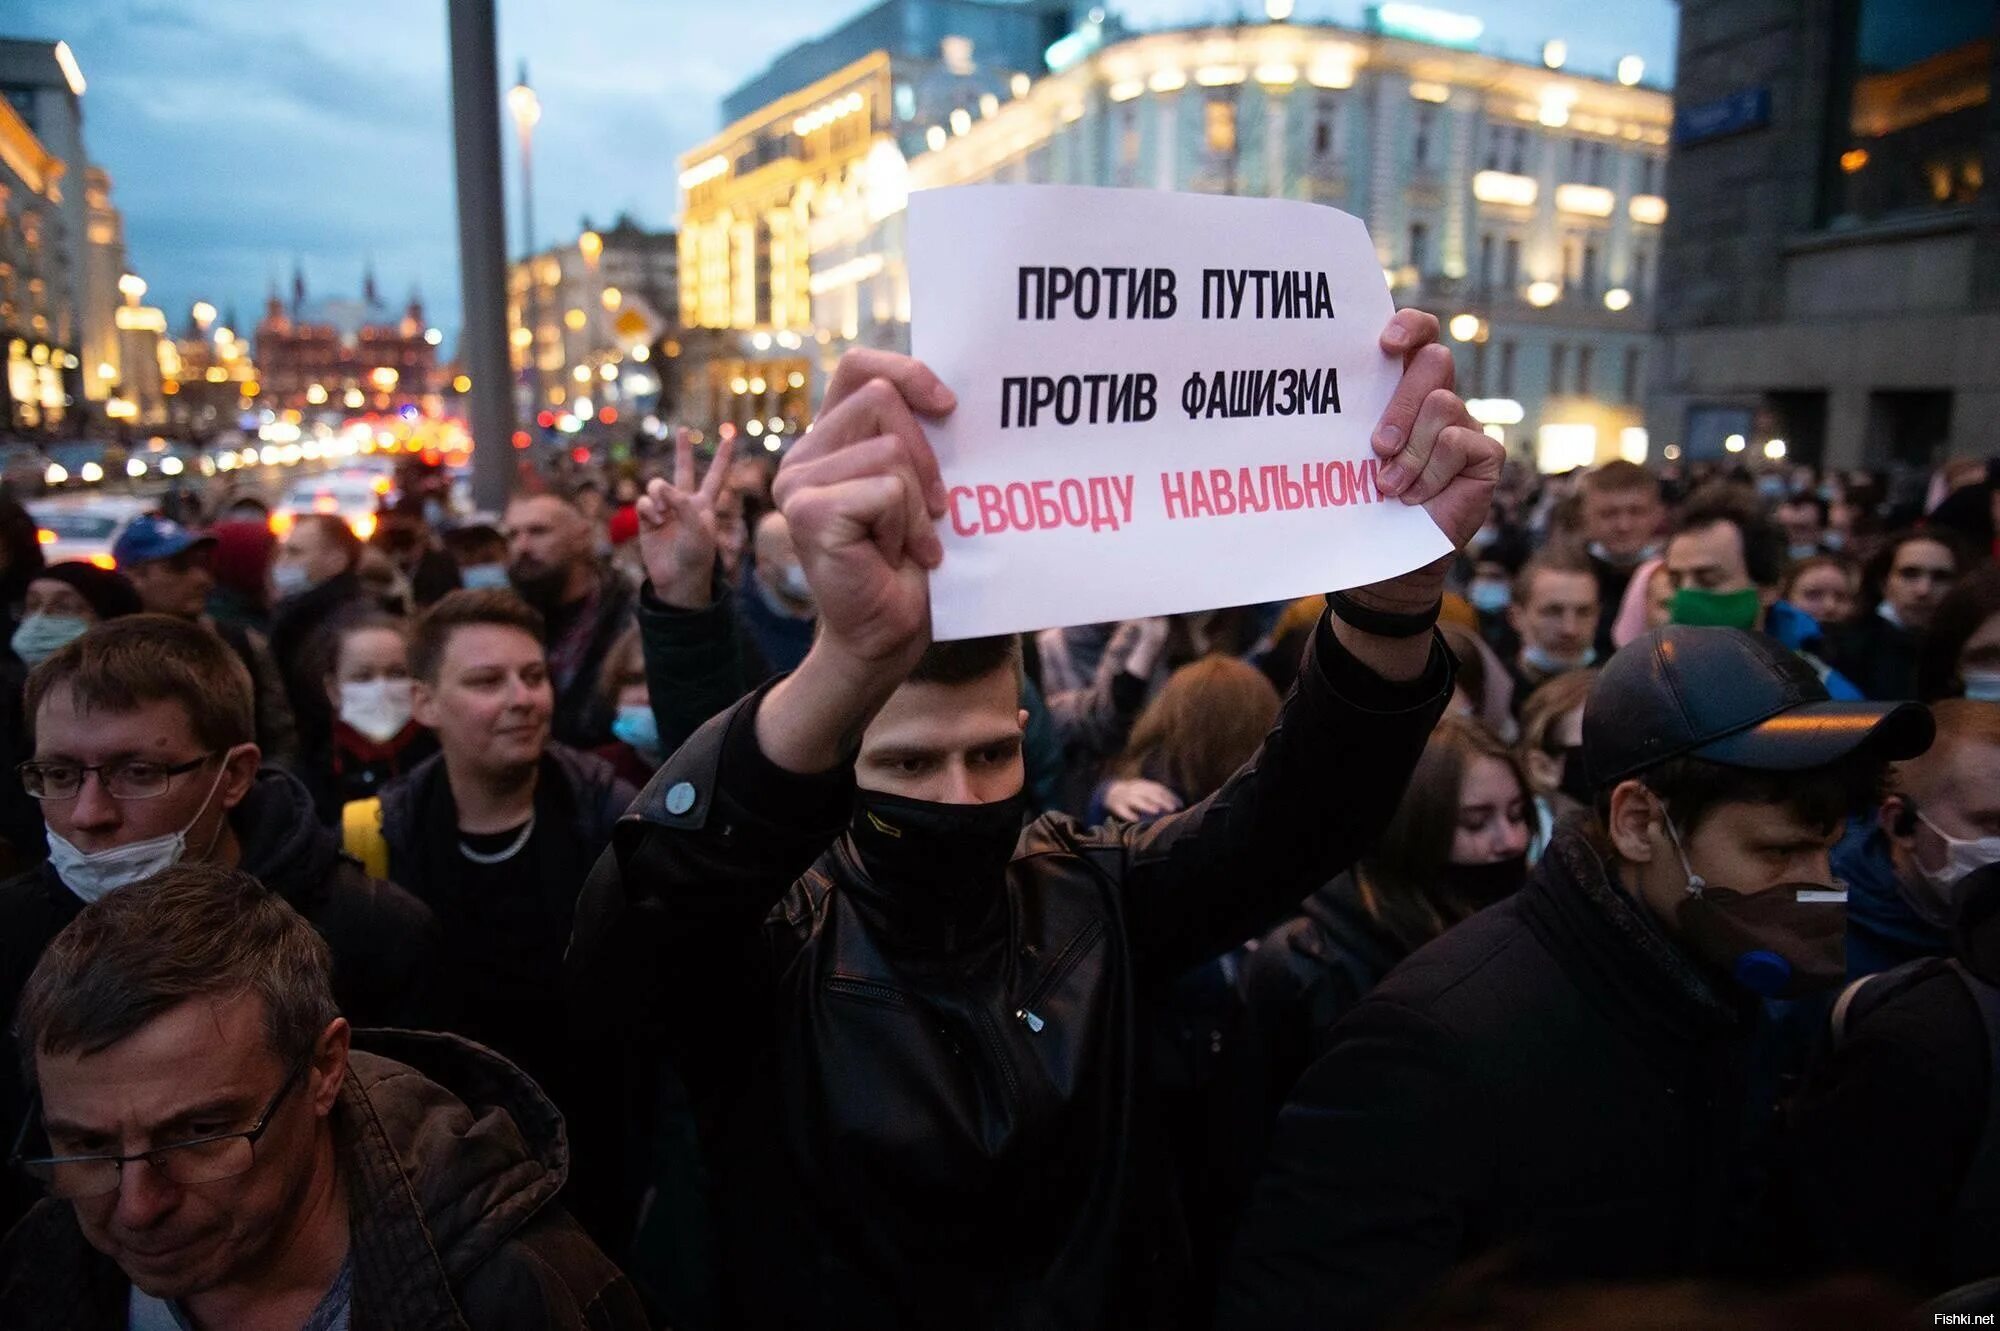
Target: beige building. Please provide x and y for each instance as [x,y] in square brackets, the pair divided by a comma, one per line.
[593,320]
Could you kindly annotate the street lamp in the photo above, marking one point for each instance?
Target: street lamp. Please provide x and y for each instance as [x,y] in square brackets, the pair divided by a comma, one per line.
[526,109]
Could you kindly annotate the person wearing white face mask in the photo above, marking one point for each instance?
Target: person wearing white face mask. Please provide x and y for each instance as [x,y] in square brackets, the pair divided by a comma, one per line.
[777,604]
[374,740]
[144,756]
[1904,865]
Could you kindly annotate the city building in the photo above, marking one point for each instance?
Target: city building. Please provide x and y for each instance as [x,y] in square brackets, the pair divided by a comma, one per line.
[602,309]
[1519,202]
[1835,250]
[208,374]
[36,322]
[343,352]
[830,119]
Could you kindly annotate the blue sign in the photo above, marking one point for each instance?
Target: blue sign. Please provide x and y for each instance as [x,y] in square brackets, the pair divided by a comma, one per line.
[1737,113]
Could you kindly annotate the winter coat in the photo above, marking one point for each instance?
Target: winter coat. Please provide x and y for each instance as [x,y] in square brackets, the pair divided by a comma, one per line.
[1880,657]
[931,1108]
[452,1160]
[297,623]
[1553,1078]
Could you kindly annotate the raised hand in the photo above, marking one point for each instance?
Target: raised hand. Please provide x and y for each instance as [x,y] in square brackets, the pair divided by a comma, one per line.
[1135,799]
[678,530]
[861,492]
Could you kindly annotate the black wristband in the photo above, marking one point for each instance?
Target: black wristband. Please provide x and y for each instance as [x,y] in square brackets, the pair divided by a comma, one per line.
[1384,623]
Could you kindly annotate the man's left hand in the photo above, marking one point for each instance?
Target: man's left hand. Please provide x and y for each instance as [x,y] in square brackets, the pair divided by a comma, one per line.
[1432,453]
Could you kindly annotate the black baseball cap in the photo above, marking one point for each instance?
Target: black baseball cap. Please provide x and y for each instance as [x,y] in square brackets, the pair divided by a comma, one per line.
[1735,698]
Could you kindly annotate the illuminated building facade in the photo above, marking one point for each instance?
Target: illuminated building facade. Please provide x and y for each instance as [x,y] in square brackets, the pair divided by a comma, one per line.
[1837,293]
[825,127]
[71,328]
[593,321]
[341,353]
[1520,203]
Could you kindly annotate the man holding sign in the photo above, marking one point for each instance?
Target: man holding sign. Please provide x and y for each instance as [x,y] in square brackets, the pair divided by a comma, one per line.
[911,1029]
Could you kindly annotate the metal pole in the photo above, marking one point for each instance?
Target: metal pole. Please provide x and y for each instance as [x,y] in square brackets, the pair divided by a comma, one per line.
[482,245]
[531,309]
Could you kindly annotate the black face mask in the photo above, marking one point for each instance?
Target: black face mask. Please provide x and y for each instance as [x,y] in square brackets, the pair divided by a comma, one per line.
[1783,942]
[1575,781]
[941,847]
[1484,884]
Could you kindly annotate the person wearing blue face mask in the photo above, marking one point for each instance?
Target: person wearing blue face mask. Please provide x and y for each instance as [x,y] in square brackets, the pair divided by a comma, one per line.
[634,751]
[63,601]
[1556,613]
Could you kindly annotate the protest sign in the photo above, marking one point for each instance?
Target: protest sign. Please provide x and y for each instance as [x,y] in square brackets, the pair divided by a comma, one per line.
[1164,403]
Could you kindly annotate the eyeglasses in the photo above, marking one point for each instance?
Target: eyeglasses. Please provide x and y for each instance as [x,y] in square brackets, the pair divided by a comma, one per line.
[127,779]
[202,1160]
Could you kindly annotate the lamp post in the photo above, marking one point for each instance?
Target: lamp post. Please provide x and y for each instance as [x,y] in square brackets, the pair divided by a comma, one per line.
[482,245]
[526,109]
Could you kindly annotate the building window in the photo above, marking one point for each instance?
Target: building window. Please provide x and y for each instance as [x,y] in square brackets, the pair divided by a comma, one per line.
[1590,270]
[1649,175]
[1558,362]
[1478,377]
[1486,262]
[1519,154]
[1326,126]
[1420,247]
[1576,160]
[1507,368]
[1631,376]
[1911,87]
[1583,359]
[1510,270]
[1642,272]
[1571,266]
[1426,136]
[1220,125]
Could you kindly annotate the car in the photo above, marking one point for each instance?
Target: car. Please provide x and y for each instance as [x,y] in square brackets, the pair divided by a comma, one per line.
[84,526]
[352,494]
[75,463]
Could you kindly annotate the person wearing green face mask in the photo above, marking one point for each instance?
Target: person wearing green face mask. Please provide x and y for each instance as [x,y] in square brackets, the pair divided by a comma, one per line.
[1724,563]
[63,601]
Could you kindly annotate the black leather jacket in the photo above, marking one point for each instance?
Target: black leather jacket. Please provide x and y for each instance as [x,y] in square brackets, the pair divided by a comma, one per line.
[931,1111]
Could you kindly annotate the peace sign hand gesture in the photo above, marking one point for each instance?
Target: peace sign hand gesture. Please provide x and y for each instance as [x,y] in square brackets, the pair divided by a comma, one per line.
[678,527]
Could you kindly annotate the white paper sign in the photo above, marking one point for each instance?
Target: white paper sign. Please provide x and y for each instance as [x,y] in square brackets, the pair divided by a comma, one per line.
[1164,403]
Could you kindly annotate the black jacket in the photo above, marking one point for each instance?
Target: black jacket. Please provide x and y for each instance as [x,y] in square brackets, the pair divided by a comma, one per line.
[452,1160]
[582,717]
[297,623]
[1880,657]
[931,1109]
[1886,1131]
[384,941]
[1552,1078]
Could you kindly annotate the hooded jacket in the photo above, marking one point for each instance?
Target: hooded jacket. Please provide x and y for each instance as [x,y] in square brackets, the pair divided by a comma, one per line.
[1883,931]
[452,1160]
[931,1108]
[1553,1079]
[384,941]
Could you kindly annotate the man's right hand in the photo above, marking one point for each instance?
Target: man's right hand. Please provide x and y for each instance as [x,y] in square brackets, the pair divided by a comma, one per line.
[861,493]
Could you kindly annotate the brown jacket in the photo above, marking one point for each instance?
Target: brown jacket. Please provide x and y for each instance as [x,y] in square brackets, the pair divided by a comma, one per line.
[451,1198]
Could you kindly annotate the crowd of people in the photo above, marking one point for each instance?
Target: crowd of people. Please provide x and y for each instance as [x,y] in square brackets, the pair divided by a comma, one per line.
[622,914]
